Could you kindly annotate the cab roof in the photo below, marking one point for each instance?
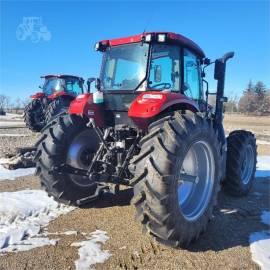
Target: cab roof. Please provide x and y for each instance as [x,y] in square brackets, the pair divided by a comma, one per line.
[63,76]
[170,36]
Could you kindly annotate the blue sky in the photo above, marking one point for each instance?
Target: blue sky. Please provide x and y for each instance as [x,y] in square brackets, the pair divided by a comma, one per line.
[75,26]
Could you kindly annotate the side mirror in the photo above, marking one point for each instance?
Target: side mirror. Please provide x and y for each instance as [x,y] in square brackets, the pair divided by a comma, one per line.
[89,81]
[98,84]
[206,61]
[157,73]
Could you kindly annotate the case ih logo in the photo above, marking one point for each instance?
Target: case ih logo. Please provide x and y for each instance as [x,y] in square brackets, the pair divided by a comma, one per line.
[33,28]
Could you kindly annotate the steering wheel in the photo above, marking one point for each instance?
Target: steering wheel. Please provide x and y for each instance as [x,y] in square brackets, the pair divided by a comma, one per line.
[162,85]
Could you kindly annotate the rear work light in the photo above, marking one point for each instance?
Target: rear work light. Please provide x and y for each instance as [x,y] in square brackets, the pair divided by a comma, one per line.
[161,37]
[148,38]
[101,46]
[97,46]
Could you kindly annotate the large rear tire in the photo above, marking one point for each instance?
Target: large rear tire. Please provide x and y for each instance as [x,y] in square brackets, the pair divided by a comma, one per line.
[66,140]
[34,115]
[241,162]
[56,107]
[177,178]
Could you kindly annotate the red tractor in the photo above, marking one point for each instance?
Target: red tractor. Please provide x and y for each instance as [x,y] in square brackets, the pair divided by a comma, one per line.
[149,126]
[57,93]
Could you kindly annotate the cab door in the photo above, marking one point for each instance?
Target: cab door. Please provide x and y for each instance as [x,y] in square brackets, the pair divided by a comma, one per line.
[192,85]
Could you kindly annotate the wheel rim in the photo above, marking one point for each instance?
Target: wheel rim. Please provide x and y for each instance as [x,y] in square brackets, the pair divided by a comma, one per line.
[80,154]
[196,180]
[247,165]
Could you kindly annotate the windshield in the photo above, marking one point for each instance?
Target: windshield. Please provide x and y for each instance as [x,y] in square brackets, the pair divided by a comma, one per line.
[124,67]
[70,85]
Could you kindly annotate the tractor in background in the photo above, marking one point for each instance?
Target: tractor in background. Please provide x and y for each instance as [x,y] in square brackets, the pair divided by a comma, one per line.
[149,126]
[57,93]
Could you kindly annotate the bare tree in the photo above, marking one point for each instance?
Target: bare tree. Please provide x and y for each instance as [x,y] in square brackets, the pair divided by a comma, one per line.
[25,102]
[18,104]
[4,102]
[231,105]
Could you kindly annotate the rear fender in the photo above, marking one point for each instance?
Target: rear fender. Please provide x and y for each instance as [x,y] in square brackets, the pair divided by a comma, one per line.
[83,106]
[64,94]
[38,95]
[148,105]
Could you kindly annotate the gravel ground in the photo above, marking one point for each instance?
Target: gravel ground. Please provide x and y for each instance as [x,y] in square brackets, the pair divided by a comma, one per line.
[24,138]
[224,245]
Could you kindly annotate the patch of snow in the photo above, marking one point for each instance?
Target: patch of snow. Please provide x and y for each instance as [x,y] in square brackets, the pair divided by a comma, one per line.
[260,243]
[4,160]
[265,217]
[70,233]
[262,142]
[6,174]
[22,215]
[90,251]
[13,135]
[61,233]
[10,116]
[259,246]
[11,124]
[263,166]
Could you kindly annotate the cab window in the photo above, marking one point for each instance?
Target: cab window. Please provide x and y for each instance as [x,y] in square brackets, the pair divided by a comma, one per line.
[192,81]
[164,68]
[74,87]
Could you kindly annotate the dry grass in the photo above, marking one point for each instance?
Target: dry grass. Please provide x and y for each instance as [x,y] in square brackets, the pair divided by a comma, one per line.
[259,125]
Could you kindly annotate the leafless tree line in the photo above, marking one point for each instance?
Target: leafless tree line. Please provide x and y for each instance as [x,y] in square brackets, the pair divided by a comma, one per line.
[255,100]
[7,104]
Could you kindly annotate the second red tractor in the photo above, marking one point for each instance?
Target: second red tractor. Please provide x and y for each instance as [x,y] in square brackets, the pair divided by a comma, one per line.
[57,93]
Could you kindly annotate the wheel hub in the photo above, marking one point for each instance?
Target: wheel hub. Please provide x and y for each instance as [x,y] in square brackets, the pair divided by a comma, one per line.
[80,154]
[196,180]
[247,165]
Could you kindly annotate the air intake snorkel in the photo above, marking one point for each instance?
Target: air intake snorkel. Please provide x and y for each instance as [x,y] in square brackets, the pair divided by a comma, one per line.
[219,75]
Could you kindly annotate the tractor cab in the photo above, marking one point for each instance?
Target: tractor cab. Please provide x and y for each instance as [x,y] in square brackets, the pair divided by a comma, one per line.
[62,84]
[168,66]
[160,62]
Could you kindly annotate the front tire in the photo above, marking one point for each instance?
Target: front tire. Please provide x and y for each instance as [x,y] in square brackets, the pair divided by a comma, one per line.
[241,162]
[179,146]
[67,140]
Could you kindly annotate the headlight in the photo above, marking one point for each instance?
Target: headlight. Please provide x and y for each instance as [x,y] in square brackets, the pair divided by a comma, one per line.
[152,96]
